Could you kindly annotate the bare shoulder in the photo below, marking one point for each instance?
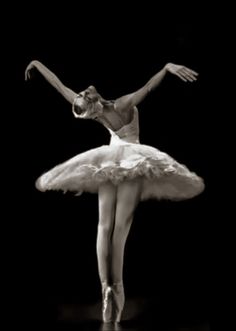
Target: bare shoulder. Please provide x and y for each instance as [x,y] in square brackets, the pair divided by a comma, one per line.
[125,113]
[123,104]
[117,116]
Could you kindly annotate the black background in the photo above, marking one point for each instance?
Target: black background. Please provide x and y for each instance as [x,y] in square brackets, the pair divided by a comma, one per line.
[171,250]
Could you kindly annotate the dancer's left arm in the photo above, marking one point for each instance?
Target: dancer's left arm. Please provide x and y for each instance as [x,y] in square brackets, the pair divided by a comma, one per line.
[128,101]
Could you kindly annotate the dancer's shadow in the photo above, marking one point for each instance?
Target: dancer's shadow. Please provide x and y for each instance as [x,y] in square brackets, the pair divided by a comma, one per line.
[130,327]
[118,327]
[88,318]
[110,327]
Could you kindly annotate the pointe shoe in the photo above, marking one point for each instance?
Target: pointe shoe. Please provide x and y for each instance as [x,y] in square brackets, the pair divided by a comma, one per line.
[106,303]
[118,300]
[110,327]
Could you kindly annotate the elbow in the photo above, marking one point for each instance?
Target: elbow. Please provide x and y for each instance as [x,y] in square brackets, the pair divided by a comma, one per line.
[35,63]
[148,88]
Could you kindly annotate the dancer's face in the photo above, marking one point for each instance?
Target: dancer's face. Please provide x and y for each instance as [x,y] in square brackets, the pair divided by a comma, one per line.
[87,97]
[88,101]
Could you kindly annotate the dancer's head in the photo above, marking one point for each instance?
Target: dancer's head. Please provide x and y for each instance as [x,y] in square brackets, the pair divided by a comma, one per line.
[88,103]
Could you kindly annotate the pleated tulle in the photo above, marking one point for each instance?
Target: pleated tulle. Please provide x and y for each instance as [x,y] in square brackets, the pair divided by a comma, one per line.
[161,176]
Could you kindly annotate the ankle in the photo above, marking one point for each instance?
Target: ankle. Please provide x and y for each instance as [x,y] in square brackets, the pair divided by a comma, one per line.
[118,284]
[105,284]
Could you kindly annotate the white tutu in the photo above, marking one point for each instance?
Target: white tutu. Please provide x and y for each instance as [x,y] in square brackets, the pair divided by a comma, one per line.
[124,159]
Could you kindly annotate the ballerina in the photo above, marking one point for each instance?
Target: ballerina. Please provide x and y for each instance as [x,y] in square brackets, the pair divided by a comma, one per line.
[122,173]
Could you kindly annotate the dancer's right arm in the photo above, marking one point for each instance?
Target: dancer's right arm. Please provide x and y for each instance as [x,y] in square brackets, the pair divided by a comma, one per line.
[67,93]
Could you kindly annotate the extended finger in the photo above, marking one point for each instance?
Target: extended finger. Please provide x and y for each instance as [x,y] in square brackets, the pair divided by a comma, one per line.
[191,74]
[188,75]
[191,71]
[181,77]
[185,75]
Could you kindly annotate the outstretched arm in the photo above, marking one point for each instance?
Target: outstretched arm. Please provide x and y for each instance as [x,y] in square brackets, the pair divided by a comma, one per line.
[67,93]
[130,100]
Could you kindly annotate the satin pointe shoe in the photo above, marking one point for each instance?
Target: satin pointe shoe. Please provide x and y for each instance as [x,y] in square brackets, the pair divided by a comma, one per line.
[107,303]
[118,301]
[110,327]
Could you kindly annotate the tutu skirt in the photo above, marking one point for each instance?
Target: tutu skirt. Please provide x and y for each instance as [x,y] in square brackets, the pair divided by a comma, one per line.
[160,175]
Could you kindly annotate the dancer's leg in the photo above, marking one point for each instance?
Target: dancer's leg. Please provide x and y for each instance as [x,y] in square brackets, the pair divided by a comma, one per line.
[107,201]
[128,196]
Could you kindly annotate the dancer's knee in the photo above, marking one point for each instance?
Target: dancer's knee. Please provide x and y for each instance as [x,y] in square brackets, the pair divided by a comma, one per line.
[121,226]
[104,229]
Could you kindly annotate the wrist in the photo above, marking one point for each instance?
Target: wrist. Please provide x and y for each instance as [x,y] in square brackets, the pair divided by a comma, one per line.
[167,66]
[35,63]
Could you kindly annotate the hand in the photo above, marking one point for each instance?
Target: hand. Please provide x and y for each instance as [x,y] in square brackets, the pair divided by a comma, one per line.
[184,73]
[29,69]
